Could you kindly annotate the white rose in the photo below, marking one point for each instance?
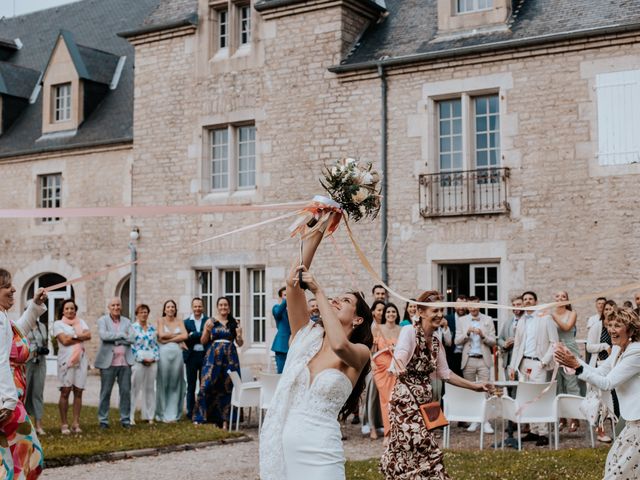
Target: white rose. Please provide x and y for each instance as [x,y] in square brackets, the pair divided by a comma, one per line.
[360,196]
[366,178]
[349,161]
[334,170]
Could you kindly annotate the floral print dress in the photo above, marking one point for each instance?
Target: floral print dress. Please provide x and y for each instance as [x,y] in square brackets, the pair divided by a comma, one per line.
[412,452]
[20,449]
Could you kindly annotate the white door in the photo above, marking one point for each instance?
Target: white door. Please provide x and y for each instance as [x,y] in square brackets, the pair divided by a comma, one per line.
[483,283]
[55,299]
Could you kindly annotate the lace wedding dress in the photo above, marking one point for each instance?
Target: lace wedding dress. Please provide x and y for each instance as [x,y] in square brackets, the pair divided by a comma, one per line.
[301,438]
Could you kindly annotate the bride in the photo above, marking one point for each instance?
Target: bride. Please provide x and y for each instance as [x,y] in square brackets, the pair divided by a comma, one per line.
[322,380]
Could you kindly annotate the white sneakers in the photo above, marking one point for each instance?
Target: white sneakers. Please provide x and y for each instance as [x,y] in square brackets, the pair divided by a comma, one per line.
[474,426]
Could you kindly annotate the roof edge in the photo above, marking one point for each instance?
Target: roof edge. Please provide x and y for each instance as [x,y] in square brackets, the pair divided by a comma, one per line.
[64,148]
[264,5]
[492,46]
[192,19]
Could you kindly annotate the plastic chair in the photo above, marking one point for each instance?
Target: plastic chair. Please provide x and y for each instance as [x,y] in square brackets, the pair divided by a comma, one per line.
[268,385]
[464,405]
[246,373]
[244,394]
[568,406]
[540,411]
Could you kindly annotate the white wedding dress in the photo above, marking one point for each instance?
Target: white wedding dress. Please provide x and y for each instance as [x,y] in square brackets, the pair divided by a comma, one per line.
[301,438]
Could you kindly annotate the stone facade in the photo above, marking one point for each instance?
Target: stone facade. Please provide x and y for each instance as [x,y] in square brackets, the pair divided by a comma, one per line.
[572,224]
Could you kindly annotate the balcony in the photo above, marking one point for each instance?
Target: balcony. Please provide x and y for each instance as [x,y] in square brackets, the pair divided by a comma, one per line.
[470,192]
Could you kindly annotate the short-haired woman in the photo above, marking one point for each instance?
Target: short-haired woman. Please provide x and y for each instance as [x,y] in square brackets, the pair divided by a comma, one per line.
[146,354]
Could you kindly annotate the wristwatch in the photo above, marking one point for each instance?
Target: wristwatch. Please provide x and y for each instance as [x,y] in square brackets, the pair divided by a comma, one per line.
[75,336]
[579,370]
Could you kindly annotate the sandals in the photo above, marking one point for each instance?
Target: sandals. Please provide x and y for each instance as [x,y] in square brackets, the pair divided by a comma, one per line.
[574,426]
[76,429]
[64,429]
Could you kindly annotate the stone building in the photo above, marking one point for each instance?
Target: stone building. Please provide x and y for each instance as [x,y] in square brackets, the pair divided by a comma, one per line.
[505,128]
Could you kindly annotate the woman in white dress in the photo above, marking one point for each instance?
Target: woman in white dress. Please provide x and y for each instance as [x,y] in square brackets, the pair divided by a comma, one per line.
[621,370]
[322,380]
[73,363]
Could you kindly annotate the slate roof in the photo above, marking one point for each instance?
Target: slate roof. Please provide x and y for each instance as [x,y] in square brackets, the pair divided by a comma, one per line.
[266,4]
[17,81]
[94,25]
[407,33]
[169,11]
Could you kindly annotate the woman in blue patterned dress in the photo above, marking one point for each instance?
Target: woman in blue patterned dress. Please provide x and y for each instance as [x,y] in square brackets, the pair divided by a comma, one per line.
[214,397]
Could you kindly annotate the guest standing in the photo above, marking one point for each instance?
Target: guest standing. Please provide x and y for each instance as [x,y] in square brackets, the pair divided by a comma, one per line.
[410,313]
[280,343]
[145,369]
[20,451]
[73,363]
[388,332]
[221,334]
[36,370]
[372,416]
[194,354]
[412,451]
[114,359]
[622,372]
[170,384]
[454,354]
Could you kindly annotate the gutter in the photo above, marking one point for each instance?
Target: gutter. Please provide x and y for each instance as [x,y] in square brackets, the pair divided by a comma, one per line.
[191,20]
[383,167]
[64,148]
[485,47]
[264,5]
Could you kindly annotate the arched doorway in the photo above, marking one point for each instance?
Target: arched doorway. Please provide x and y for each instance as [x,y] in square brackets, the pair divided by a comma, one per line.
[56,297]
[124,292]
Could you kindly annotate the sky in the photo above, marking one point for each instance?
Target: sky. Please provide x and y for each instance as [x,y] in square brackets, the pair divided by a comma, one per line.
[7,7]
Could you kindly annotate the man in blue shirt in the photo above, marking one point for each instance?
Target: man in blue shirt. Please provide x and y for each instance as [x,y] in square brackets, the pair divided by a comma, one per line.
[281,341]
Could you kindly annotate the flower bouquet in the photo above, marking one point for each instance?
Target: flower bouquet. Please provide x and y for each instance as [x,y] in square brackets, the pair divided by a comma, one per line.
[353,188]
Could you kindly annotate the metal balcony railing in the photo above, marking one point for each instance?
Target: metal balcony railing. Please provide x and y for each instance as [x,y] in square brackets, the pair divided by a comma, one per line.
[468,192]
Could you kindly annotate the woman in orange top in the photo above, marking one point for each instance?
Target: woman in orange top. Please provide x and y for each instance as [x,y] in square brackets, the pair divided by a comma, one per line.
[385,341]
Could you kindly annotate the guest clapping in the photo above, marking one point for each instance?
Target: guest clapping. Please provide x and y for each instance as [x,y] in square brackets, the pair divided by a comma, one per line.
[170,383]
[214,397]
[144,371]
[73,363]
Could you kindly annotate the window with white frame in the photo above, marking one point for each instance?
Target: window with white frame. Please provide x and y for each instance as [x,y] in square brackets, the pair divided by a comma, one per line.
[231,290]
[477,118]
[244,27]
[618,99]
[258,305]
[205,283]
[466,6]
[232,157]
[61,102]
[50,193]
[223,28]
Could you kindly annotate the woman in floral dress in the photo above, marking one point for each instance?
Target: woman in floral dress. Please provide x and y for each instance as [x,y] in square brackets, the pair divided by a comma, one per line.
[20,450]
[214,398]
[412,452]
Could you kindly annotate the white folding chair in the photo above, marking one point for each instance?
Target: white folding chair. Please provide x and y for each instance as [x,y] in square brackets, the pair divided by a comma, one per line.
[568,406]
[464,405]
[246,373]
[244,394]
[527,408]
[268,384]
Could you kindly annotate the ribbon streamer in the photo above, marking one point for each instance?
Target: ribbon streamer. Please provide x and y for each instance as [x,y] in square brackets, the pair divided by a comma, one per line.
[89,276]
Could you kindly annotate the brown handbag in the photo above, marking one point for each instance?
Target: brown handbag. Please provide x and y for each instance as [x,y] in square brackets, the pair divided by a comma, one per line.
[433,415]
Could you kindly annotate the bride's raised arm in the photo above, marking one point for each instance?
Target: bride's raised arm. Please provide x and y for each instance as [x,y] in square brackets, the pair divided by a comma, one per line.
[297,307]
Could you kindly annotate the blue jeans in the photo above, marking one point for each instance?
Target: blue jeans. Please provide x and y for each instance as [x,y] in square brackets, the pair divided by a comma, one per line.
[108,376]
[281,358]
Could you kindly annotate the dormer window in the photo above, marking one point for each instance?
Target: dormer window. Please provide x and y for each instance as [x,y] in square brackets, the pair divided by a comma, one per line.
[245,24]
[465,6]
[62,102]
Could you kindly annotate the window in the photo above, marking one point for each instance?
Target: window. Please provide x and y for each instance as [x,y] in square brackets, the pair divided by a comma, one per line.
[244,29]
[62,102]
[258,306]
[465,6]
[618,97]
[231,290]
[205,281]
[50,194]
[223,28]
[471,279]
[233,168]
[483,123]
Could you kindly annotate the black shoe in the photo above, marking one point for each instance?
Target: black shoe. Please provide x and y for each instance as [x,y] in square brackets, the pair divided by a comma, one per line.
[463,425]
[542,441]
[530,437]
[355,420]
[126,425]
[104,426]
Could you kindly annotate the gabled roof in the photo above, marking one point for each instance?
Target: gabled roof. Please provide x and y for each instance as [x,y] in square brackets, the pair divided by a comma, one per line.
[17,81]
[409,32]
[94,24]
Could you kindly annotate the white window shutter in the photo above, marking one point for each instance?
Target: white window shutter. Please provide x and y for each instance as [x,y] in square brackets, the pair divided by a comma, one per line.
[618,96]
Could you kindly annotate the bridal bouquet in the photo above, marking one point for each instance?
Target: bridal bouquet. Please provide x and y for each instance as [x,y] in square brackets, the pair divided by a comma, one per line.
[353,188]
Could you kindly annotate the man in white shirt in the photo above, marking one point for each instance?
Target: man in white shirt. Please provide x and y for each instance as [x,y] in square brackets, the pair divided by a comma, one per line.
[476,334]
[595,319]
[532,355]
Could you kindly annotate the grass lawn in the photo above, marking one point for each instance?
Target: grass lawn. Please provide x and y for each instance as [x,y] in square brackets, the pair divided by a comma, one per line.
[93,441]
[582,464]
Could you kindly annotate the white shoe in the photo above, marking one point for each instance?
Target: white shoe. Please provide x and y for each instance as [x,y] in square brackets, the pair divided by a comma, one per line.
[487,428]
[473,427]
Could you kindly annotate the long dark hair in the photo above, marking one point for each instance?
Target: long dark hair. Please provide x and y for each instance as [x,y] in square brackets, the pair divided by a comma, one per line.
[374,305]
[360,334]
[384,313]
[164,307]
[406,315]
[232,323]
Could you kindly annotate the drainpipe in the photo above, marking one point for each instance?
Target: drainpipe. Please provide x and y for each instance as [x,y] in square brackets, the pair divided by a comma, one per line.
[383,167]
[134,235]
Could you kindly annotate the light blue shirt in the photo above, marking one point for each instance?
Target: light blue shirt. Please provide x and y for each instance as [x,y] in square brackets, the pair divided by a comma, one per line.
[476,340]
